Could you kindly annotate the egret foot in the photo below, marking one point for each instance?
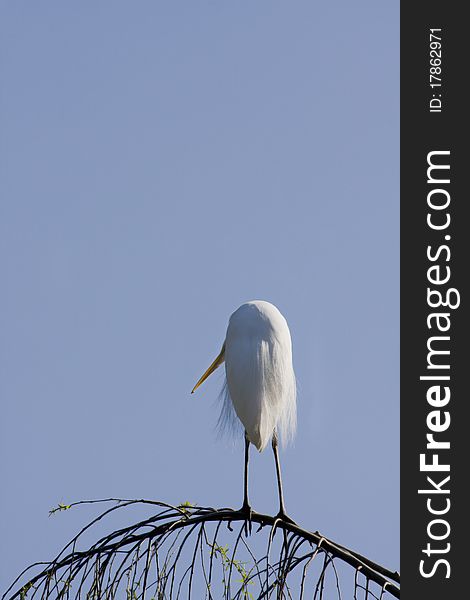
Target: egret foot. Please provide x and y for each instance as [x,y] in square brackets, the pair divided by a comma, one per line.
[282,516]
[248,512]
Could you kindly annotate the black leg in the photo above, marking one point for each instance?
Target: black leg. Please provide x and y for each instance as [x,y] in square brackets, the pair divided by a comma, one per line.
[282,510]
[246,505]
[246,508]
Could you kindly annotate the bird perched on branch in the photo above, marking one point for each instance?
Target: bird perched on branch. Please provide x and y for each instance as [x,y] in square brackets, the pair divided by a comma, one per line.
[260,385]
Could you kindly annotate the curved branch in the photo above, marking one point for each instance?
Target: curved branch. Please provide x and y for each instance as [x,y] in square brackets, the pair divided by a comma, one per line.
[174,518]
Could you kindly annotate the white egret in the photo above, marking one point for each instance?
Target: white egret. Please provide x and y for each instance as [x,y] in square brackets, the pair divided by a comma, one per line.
[260,383]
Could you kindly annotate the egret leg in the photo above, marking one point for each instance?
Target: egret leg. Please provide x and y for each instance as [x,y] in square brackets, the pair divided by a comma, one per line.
[282,510]
[246,508]
[246,505]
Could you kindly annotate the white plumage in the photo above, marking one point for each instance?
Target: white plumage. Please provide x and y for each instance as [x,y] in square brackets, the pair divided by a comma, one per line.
[259,371]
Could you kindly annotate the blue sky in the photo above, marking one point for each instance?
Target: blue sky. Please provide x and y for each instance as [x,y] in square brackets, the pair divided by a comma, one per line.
[160,164]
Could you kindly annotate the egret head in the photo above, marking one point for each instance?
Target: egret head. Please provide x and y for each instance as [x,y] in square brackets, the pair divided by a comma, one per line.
[216,363]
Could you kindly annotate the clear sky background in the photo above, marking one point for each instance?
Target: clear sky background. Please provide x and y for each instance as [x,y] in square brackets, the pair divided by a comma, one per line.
[161,163]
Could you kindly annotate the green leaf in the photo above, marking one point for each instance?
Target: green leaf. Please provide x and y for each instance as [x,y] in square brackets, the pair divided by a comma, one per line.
[60,507]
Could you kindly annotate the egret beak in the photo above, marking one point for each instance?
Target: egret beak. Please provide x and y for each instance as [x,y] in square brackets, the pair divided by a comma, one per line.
[217,362]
